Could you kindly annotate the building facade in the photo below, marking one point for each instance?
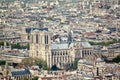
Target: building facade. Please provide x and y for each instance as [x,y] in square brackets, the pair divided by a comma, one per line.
[40,45]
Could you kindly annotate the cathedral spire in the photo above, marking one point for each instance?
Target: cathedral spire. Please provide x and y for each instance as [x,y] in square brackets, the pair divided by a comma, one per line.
[69,40]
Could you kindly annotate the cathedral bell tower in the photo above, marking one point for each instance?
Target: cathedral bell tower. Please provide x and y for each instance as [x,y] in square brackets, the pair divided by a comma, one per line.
[40,42]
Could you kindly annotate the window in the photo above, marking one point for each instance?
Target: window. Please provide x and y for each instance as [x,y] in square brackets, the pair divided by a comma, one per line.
[36,38]
[28,37]
[31,38]
[66,53]
[52,53]
[61,53]
[46,39]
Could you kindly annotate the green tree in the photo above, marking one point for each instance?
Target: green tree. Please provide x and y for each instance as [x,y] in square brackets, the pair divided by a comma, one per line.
[116,59]
[42,64]
[104,43]
[18,46]
[54,67]
[7,43]
[28,46]
[2,62]
[27,62]
[114,41]
[49,18]
[75,64]
[1,43]
[104,58]
[34,61]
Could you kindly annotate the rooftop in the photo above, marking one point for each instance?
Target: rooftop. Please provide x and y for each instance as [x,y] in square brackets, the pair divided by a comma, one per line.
[28,30]
[86,44]
[61,46]
[21,72]
[67,46]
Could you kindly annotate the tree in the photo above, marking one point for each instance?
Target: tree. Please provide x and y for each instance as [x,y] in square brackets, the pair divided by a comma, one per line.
[42,64]
[116,59]
[49,18]
[1,43]
[35,61]
[28,46]
[104,43]
[105,58]
[27,62]
[2,62]
[75,64]
[114,41]
[18,46]
[54,67]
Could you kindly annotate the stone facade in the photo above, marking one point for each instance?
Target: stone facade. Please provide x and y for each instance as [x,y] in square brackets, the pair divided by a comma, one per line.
[40,45]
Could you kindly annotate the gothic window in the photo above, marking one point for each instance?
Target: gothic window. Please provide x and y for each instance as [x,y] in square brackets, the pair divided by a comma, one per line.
[52,53]
[32,38]
[90,52]
[66,52]
[83,53]
[63,58]
[36,38]
[46,39]
[28,37]
[61,53]
[54,60]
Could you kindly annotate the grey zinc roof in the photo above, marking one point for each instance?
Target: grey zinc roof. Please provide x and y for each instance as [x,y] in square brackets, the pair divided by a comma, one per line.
[67,46]
[61,46]
[21,72]
[86,45]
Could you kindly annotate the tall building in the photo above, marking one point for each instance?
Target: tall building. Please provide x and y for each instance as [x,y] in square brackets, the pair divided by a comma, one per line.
[40,45]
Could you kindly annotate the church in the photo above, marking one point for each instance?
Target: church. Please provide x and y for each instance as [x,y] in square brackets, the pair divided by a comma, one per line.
[61,54]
